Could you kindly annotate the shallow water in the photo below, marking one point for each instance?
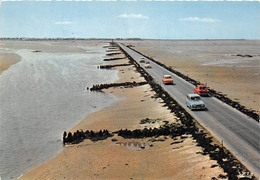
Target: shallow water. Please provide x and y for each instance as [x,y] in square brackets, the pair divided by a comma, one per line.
[41,96]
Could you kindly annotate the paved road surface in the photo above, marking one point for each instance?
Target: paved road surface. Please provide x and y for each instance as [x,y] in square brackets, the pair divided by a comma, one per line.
[240,134]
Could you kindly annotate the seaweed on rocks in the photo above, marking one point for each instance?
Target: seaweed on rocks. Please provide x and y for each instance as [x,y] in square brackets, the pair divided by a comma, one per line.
[80,135]
[113,53]
[99,87]
[113,59]
[111,66]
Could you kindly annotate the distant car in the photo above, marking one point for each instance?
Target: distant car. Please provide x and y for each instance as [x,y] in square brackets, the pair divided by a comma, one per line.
[201,89]
[167,79]
[141,60]
[193,101]
[147,64]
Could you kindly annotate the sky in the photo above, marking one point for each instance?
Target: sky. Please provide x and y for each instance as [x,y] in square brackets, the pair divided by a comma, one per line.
[130,19]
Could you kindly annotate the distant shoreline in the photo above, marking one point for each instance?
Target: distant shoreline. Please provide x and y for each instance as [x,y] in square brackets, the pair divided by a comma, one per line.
[116,39]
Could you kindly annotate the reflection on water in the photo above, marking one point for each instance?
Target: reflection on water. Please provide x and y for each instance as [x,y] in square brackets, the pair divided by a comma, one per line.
[41,96]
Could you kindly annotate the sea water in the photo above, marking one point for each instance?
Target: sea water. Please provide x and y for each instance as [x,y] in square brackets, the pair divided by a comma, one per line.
[42,96]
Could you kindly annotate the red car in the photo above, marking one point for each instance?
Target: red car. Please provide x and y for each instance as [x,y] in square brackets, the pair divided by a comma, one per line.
[167,79]
[201,89]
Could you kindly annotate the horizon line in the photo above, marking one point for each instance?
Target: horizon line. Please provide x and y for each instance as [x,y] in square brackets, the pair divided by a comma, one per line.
[71,38]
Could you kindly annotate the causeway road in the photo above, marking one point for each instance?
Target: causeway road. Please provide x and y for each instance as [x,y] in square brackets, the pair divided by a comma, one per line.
[239,133]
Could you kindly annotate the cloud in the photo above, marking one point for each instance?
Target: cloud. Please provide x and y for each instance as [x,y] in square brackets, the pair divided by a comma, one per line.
[136,16]
[196,19]
[64,22]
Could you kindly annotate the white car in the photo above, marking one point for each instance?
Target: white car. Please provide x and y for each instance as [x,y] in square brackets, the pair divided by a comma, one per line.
[147,64]
[193,101]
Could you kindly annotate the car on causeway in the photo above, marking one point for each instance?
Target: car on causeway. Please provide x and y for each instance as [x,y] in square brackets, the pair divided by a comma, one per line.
[141,60]
[193,101]
[167,79]
[201,89]
[147,64]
